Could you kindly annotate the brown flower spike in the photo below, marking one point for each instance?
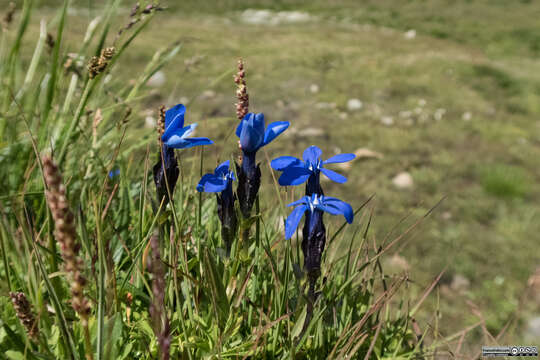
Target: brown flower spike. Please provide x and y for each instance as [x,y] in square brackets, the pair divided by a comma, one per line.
[23,309]
[66,235]
[242,106]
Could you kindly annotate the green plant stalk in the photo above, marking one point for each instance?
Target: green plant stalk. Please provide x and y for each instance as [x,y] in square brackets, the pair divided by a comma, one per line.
[101,286]
[51,90]
[64,328]
[4,258]
[84,99]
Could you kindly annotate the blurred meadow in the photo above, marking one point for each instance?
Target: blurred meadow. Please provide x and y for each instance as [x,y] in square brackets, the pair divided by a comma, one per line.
[439,100]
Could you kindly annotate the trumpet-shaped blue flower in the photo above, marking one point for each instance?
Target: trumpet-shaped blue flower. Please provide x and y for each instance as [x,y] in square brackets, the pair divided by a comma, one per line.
[218,181]
[296,171]
[176,134]
[316,204]
[221,182]
[254,134]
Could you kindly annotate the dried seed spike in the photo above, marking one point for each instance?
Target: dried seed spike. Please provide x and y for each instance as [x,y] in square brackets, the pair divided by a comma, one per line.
[161,122]
[242,106]
[66,235]
[157,308]
[108,53]
[23,309]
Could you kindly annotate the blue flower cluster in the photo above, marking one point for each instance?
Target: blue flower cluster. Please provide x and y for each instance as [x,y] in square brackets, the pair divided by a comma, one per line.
[314,204]
[253,134]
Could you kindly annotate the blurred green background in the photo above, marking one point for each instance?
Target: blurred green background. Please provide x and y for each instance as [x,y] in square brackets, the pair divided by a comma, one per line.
[440,99]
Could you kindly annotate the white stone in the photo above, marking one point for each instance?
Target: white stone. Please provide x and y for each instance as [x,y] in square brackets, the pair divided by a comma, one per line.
[411,34]
[405,114]
[150,122]
[343,115]
[387,120]
[314,88]
[460,283]
[354,104]
[399,262]
[208,94]
[311,132]
[365,153]
[157,80]
[439,113]
[403,180]
[325,105]
[268,17]
[533,329]
[467,116]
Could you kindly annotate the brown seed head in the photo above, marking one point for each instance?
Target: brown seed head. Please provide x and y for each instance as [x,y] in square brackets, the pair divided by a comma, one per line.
[242,106]
[66,235]
[23,309]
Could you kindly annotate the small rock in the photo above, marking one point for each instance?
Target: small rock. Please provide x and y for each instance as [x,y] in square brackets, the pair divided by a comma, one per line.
[343,116]
[325,105]
[467,116]
[150,122]
[311,132]
[354,104]
[365,153]
[157,80]
[405,114]
[460,283]
[387,120]
[268,17]
[314,88]
[447,215]
[403,180]
[399,262]
[439,113]
[411,34]
[208,94]
[422,102]
[533,329]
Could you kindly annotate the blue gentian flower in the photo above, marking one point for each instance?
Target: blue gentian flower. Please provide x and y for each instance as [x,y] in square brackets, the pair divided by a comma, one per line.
[316,204]
[176,134]
[114,173]
[220,182]
[253,135]
[296,171]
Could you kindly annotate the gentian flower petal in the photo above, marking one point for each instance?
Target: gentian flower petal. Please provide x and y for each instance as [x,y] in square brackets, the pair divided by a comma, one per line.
[291,224]
[191,142]
[274,129]
[175,115]
[312,154]
[304,200]
[283,162]
[222,168]
[340,158]
[294,175]
[240,127]
[181,132]
[251,135]
[339,207]
[212,183]
[334,176]
[258,122]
